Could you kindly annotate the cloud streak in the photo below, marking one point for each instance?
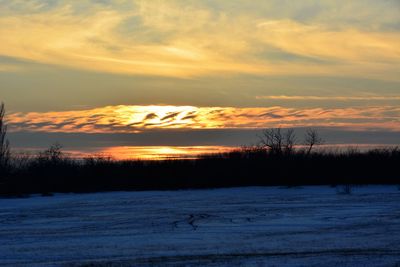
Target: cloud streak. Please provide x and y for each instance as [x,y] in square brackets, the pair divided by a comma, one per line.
[191,39]
[329,98]
[135,119]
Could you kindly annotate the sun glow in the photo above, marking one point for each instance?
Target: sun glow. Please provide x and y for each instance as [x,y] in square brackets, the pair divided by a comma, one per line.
[169,116]
[160,152]
[133,119]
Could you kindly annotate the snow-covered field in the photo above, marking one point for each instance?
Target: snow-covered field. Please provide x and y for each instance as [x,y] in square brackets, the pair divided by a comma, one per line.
[254,226]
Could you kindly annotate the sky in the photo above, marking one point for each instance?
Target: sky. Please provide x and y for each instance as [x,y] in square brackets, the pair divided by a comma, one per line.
[126,73]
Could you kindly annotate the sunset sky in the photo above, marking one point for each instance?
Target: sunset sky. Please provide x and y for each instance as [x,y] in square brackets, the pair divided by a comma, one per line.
[114,74]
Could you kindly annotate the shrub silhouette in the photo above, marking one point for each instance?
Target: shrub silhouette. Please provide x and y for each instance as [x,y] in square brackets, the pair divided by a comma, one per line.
[52,155]
[345,189]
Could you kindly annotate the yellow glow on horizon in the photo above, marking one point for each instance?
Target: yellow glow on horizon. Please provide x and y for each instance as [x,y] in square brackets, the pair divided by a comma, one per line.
[160,152]
[180,152]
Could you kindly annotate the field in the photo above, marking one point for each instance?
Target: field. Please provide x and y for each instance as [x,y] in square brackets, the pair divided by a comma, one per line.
[250,226]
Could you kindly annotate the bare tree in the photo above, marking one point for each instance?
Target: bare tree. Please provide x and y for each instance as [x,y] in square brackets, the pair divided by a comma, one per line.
[271,139]
[312,139]
[4,144]
[278,142]
[290,141]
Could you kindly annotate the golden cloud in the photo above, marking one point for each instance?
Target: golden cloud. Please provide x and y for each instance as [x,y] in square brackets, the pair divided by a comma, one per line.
[179,40]
[126,119]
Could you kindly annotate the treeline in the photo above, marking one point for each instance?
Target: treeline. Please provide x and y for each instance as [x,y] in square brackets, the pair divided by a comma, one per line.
[276,160]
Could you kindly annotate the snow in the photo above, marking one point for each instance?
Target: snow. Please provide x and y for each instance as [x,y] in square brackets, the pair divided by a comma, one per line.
[252,226]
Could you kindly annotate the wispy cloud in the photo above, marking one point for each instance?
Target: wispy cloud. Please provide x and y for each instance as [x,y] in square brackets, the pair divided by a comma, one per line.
[187,39]
[329,98]
[131,119]
[10,68]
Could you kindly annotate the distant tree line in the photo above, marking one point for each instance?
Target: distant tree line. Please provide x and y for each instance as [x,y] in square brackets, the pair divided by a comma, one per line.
[279,158]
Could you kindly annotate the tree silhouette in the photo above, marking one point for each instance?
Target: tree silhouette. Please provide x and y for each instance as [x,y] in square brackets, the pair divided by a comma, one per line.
[289,141]
[312,139]
[278,142]
[4,143]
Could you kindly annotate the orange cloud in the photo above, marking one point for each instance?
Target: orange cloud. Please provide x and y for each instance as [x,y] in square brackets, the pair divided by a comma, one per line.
[129,119]
[161,152]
